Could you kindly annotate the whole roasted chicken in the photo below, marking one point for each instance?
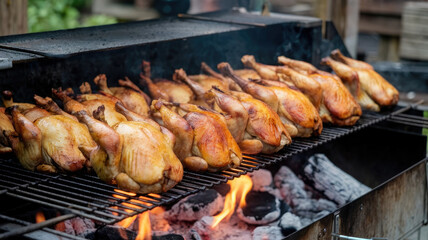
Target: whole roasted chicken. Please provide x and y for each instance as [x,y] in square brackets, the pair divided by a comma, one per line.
[338,106]
[311,88]
[139,156]
[205,142]
[254,125]
[376,87]
[299,116]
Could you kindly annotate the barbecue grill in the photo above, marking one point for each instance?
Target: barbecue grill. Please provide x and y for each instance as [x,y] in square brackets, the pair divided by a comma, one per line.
[67,58]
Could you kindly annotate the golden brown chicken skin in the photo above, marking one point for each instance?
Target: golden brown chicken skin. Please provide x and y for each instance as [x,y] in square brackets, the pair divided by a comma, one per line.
[213,147]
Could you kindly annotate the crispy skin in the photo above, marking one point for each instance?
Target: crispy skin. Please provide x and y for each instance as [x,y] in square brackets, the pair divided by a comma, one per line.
[207,82]
[62,141]
[111,115]
[5,126]
[177,92]
[342,108]
[105,160]
[296,108]
[148,162]
[235,113]
[351,79]
[247,74]
[257,91]
[264,124]
[295,64]
[26,142]
[132,99]
[213,141]
[338,56]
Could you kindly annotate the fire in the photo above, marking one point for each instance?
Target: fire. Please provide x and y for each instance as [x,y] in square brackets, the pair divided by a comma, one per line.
[144,227]
[40,217]
[239,189]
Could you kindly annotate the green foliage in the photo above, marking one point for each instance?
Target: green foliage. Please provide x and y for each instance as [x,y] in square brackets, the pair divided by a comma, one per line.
[49,15]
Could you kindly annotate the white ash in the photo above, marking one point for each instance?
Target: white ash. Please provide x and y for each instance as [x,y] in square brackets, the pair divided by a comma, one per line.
[267,233]
[306,221]
[320,215]
[261,208]
[289,223]
[289,185]
[262,180]
[334,183]
[234,229]
[309,208]
[196,206]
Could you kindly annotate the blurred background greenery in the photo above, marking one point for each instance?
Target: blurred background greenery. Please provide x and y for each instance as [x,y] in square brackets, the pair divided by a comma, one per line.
[48,15]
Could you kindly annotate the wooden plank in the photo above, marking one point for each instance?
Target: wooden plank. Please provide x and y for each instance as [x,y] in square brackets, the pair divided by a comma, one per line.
[385,25]
[13,17]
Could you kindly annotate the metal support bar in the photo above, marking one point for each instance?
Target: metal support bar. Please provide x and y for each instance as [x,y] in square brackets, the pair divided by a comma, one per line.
[33,227]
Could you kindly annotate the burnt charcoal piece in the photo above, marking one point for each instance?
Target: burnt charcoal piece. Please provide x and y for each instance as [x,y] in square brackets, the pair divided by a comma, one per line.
[261,208]
[194,207]
[262,180]
[267,232]
[170,236]
[334,183]
[289,223]
[309,208]
[289,185]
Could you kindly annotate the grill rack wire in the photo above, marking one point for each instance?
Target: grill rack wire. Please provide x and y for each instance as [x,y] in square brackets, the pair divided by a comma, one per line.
[86,196]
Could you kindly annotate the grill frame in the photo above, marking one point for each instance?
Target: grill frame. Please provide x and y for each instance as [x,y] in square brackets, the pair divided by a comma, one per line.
[86,196]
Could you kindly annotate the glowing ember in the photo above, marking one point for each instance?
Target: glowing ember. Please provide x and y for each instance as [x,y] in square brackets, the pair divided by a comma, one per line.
[144,227]
[124,192]
[40,217]
[239,188]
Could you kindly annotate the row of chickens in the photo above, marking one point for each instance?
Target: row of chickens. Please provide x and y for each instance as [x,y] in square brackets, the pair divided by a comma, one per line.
[203,122]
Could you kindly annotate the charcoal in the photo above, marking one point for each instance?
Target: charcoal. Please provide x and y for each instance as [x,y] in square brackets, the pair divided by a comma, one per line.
[194,207]
[289,223]
[267,232]
[82,226]
[261,208]
[262,180]
[289,185]
[321,214]
[113,232]
[335,184]
[309,208]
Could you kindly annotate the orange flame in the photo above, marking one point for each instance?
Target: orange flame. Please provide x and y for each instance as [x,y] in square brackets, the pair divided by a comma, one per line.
[144,227]
[239,188]
[40,217]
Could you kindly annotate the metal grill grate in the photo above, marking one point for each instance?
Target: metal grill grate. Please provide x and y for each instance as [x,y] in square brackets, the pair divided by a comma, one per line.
[87,196]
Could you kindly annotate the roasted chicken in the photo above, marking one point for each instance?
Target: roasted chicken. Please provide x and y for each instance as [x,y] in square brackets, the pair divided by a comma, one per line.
[338,105]
[5,126]
[378,89]
[139,157]
[165,89]
[351,80]
[51,143]
[299,116]
[311,88]
[131,96]
[206,142]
